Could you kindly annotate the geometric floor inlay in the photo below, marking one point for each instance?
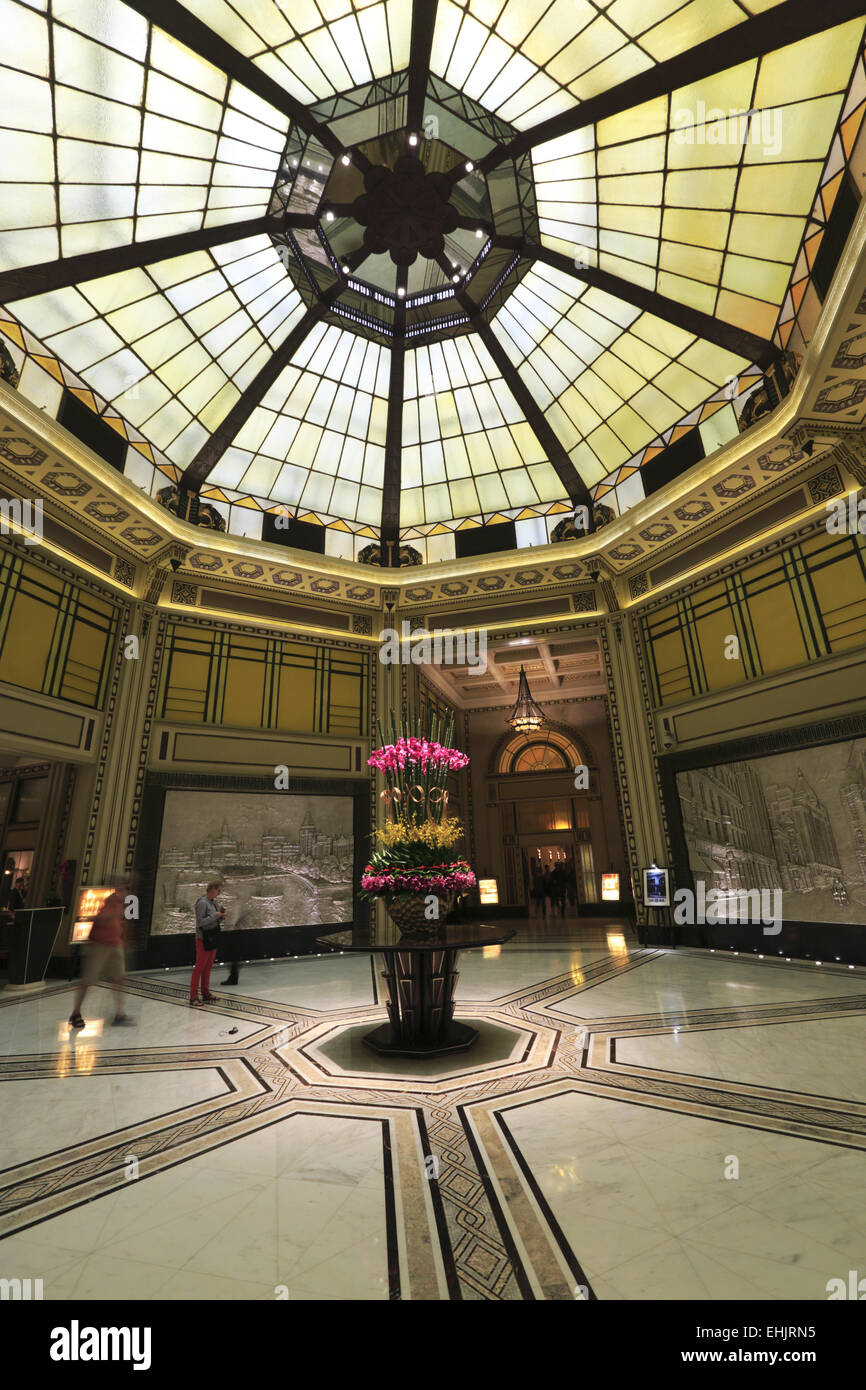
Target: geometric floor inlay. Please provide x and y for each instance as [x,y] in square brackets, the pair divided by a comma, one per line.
[631,1124]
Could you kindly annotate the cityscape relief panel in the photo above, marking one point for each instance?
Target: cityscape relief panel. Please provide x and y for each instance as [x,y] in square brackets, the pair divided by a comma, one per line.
[287,860]
[792,821]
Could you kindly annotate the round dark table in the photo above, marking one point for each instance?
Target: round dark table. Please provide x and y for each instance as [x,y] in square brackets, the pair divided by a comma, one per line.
[420,979]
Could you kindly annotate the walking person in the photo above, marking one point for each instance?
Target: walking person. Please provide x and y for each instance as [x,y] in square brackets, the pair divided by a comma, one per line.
[557,887]
[538,888]
[548,889]
[208,920]
[104,955]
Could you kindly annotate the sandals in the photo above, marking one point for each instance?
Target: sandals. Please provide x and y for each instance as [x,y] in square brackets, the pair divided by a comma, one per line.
[209,999]
[76,1021]
[195,1003]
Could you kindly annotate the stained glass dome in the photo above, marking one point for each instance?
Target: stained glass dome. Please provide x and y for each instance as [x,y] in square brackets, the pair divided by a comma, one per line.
[407,270]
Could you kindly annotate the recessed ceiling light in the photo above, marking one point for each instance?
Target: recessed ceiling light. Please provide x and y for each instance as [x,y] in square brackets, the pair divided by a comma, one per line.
[469,166]
[401,293]
[345,269]
[413,139]
[345,159]
[329,216]
[455,279]
[479,232]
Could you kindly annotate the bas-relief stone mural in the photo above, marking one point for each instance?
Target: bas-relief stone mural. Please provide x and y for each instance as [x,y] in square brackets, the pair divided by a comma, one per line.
[794,821]
[286,860]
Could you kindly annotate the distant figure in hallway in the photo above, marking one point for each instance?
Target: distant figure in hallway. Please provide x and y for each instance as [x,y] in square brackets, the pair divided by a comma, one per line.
[231,956]
[570,884]
[548,888]
[104,956]
[208,920]
[557,887]
[18,896]
[538,888]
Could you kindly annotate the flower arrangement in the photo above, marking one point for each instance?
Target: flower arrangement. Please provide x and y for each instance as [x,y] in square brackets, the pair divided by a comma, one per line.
[411,860]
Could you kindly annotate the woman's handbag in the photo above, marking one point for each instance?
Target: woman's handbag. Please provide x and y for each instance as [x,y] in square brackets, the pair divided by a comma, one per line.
[210,937]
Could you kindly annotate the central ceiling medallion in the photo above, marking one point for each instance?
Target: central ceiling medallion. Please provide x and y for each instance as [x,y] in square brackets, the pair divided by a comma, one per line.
[405,211]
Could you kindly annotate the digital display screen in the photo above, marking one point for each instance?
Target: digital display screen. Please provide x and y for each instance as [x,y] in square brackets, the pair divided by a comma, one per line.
[657,887]
[90,902]
[610,888]
[488,889]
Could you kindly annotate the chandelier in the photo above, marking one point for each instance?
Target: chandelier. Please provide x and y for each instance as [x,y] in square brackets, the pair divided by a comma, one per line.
[526,716]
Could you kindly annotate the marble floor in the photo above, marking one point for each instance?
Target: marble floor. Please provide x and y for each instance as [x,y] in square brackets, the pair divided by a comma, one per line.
[632,1124]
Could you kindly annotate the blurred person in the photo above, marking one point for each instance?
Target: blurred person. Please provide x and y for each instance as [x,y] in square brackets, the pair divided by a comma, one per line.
[231,956]
[570,883]
[536,891]
[18,895]
[547,887]
[557,887]
[208,920]
[104,956]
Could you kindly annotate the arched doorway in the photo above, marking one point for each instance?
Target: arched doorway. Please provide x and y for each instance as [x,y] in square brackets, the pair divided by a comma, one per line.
[548,808]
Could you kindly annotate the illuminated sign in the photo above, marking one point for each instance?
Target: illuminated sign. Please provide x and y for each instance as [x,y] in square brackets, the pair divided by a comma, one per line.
[489,890]
[657,887]
[90,902]
[610,888]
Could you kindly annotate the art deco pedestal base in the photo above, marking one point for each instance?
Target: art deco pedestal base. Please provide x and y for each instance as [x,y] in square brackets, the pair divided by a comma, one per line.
[419,997]
[420,977]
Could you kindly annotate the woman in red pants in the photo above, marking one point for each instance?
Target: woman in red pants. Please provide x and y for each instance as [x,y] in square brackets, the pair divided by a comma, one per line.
[207,916]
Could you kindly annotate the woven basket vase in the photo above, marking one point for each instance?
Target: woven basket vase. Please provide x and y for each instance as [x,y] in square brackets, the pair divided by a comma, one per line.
[407,913]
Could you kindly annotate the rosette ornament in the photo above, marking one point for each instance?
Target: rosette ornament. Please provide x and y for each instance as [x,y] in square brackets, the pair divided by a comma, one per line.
[405,211]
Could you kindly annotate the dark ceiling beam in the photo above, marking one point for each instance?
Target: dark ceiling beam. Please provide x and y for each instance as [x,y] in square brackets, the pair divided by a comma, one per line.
[420,48]
[390,531]
[211,452]
[74,270]
[180,24]
[338,209]
[568,475]
[776,28]
[701,325]
[355,258]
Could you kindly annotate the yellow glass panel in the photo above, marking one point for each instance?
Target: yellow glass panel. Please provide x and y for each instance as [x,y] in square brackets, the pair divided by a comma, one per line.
[619,217]
[631,429]
[751,314]
[777,631]
[713,632]
[650,118]
[776,238]
[296,703]
[27,643]
[821,63]
[695,262]
[686,389]
[726,91]
[696,228]
[701,188]
[244,689]
[782,188]
[800,131]
[693,24]
[665,336]
[759,279]
[691,292]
